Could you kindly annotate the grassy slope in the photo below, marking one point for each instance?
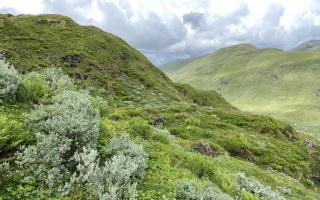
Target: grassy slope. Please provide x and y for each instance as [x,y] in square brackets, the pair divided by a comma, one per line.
[122,73]
[281,84]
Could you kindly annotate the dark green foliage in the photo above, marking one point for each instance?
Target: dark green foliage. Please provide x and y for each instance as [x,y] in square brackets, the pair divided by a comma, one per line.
[32,89]
[140,127]
[13,133]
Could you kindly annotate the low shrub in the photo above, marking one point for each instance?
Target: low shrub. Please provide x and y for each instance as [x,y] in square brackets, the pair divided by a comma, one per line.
[71,115]
[190,190]
[61,129]
[140,127]
[9,82]
[116,179]
[57,79]
[159,137]
[33,88]
[12,135]
[253,186]
[122,145]
[102,105]
[207,148]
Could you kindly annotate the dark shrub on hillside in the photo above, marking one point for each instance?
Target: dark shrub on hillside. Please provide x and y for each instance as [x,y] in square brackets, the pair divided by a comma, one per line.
[205,148]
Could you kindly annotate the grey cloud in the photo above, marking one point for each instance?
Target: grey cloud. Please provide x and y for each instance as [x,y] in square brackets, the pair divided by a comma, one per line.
[195,19]
[148,33]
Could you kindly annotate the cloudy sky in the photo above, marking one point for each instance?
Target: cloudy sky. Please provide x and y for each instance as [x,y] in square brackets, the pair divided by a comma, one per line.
[170,29]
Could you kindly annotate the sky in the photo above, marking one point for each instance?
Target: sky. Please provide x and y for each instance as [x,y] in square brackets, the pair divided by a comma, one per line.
[165,30]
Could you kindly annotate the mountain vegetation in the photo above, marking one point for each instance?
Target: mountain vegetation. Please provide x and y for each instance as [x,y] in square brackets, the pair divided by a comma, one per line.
[281,84]
[85,116]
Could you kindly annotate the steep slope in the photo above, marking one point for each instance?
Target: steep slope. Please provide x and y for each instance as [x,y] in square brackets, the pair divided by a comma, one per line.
[86,53]
[187,133]
[266,81]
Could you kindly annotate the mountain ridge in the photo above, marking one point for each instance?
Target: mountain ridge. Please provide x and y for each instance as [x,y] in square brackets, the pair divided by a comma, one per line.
[251,78]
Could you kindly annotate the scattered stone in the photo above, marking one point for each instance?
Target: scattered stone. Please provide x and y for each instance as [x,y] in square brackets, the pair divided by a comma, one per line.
[73,60]
[204,148]
[48,21]
[243,153]
[2,56]
[78,75]
[155,121]
[96,67]
[181,115]
[307,143]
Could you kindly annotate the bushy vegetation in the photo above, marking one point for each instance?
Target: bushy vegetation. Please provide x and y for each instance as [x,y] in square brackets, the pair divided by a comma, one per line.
[140,127]
[253,186]
[65,162]
[116,179]
[191,190]
[33,88]
[9,81]
[71,116]
[57,80]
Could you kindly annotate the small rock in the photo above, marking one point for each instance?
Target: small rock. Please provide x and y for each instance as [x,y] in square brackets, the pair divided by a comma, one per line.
[181,115]
[2,56]
[72,59]
[307,143]
[97,67]
[204,148]
[155,121]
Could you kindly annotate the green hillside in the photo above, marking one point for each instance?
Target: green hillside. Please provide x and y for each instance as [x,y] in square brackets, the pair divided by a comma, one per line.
[281,84]
[179,138]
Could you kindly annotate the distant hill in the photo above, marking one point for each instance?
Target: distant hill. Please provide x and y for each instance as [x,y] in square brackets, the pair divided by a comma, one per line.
[312,45]
[175,65]
[285,85]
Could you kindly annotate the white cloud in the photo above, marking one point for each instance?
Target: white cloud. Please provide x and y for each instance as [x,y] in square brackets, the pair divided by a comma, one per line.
[170,29]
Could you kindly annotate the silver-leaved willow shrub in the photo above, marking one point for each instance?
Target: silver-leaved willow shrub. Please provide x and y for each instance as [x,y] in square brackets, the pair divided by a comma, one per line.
[71,116]
[65,161]
[190,190]
[9,81]
[57,79]
[62,128]
[116,178]
[253,186]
